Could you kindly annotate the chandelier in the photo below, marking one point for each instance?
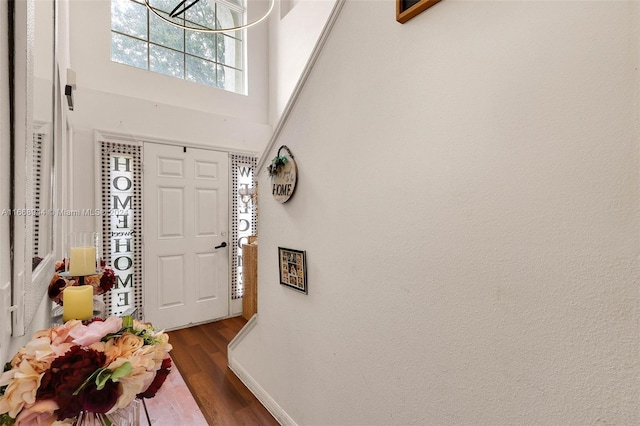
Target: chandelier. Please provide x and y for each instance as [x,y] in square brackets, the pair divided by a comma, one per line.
[173,17]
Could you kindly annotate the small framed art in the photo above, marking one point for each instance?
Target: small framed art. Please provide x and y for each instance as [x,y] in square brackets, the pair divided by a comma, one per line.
[293,268]
[407,9]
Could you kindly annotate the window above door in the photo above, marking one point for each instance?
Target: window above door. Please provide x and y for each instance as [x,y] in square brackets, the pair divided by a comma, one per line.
[142,40]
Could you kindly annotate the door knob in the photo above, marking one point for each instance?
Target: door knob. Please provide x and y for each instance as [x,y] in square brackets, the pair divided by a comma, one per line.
[224,244]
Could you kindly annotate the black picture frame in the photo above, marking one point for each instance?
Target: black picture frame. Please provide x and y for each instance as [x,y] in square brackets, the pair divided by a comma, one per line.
[407,9]
[293,269]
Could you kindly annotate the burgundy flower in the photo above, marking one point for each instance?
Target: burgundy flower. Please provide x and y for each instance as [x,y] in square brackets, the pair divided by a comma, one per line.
[161,376]
[99,401]
[55,289]
[108,280]
[102,282]
[66,375]
[90,320]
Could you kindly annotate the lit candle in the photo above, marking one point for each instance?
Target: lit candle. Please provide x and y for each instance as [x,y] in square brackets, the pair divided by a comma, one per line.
[82,261]
[77,303]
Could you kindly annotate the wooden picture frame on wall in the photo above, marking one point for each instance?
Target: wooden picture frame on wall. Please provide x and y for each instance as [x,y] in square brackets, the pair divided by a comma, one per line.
[293,268]
[407,9]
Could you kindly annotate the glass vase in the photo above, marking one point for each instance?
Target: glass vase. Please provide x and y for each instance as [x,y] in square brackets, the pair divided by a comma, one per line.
[127,416]
[82,252]
[99,307]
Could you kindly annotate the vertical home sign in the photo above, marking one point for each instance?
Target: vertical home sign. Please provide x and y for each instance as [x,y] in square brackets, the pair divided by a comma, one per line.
[122,223]
[122,231]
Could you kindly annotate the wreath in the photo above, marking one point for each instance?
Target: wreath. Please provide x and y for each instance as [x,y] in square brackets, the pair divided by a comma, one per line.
[278,162]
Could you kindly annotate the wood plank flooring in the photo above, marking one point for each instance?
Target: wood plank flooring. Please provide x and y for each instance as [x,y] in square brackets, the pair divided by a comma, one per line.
[200,354]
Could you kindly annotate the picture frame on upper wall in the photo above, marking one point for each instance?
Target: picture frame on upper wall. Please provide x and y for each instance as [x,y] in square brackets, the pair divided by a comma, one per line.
[293,269]
[407,9]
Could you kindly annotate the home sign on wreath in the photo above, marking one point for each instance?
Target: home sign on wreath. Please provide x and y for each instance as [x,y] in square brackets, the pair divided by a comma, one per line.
[284,175]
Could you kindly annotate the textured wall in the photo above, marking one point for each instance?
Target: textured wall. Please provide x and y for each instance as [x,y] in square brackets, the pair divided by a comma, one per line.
[291,39]
[468,200]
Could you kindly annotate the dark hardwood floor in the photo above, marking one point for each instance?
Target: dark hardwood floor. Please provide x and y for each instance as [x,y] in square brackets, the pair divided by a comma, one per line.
[200,354]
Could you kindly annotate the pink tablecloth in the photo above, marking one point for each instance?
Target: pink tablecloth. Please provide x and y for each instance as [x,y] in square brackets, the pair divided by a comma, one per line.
[173,404]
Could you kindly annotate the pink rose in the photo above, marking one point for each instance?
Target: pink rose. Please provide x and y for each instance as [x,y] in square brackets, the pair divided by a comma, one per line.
[86,335]
[39,413]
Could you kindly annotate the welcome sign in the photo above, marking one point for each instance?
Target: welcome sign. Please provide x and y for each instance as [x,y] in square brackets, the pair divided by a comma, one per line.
[244,216]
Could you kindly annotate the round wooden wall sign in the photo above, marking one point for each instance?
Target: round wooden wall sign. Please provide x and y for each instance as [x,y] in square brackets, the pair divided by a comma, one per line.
[284,175]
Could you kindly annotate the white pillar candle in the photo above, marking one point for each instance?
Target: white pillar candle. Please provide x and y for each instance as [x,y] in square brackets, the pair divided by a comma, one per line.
[77,303]
[82,261]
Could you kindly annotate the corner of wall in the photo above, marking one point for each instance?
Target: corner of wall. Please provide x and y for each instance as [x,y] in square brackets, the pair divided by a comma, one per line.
[249,381]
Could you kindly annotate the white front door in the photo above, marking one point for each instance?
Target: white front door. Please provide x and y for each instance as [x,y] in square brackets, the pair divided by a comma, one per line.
[185,229]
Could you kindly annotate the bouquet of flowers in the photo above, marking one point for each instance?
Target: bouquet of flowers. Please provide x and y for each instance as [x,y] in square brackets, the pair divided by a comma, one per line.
[99,366]
[101,283]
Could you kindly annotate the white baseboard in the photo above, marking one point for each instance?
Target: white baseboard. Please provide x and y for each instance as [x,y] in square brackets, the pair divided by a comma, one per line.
[269,403]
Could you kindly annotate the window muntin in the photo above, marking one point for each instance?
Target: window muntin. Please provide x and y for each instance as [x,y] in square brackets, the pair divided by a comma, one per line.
[141,39]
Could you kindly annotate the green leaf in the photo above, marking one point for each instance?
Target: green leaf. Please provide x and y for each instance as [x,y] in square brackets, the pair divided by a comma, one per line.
[89,379]
[111,336]
[102,377]
[6,420]
[127,321]
[122,371]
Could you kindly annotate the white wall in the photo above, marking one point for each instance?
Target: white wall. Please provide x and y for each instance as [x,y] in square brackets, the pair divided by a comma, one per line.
[468,200]
[292,37]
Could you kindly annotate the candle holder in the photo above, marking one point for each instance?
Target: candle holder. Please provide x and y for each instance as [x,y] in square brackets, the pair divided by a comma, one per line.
[82,252]
[246,194]
[82,260]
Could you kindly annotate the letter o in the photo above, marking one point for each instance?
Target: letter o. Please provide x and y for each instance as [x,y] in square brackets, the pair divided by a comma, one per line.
[243,225]
[116,263]
[128,183]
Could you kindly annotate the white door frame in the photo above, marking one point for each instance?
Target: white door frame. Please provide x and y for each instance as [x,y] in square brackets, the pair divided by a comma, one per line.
[235,305]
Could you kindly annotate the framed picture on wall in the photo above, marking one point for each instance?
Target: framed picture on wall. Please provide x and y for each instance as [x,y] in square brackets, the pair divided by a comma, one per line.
[293,268]
[407,9]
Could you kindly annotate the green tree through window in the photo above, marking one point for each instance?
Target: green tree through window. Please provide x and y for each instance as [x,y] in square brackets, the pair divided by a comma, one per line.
[142,40]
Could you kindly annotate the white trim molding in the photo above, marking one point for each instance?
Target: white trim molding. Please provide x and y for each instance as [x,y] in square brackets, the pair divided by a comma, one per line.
[324,35]
[269,403]
[122,137]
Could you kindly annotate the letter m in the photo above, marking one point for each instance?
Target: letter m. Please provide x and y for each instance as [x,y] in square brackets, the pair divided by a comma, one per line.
[128,282]
[123,205]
